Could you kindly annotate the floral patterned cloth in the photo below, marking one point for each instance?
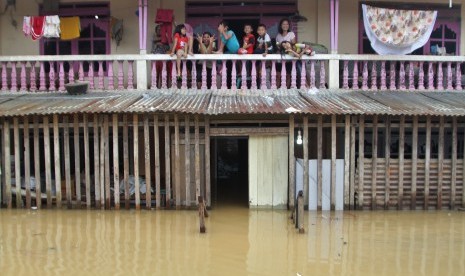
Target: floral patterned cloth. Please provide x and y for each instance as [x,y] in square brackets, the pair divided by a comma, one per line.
[399,31]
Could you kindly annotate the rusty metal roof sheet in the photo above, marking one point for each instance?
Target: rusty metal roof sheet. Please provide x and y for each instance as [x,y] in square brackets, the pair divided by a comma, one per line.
[237,102]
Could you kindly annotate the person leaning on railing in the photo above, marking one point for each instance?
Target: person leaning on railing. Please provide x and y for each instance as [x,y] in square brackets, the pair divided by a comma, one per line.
[205,45]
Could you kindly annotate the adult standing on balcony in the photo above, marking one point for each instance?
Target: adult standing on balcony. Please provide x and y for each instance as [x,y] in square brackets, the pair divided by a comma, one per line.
[206,45]
[285,34]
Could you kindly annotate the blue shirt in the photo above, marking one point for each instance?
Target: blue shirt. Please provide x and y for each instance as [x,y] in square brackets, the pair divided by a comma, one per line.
[232,44]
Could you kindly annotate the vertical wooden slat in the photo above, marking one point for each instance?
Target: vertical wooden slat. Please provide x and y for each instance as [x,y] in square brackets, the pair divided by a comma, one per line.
[27,161]
[126,160]
[440,161]
[85,121]
[463,177]
[207,161]
[148,175]
[106,139]
[7,166]
[197,155]
[135,130]
[400,202]
[374,164]
[77,160]
[187,156]
[453,182]
[37,163]
[352,163]
[157,160]
[427,160]
[291,162]
[320,160]
[347,162]
[17,162]
[67,157]
[102,161]
[306,169]
[96,161]
[48,162]
[387,155]
[413,205]
[116,161]
[167,161]
[333,162]
[177,186]
[361,157]
[56,149]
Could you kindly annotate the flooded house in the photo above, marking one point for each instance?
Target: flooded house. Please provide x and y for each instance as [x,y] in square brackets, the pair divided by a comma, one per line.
[350,128]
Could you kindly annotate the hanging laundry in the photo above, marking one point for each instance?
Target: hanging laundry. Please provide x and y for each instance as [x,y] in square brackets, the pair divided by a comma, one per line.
[52,26]
[70,27]
[27,25]
[165,18]
[38,25]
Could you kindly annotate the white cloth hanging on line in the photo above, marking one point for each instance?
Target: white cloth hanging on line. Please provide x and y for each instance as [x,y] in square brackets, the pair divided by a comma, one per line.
[52,26]
[397,32]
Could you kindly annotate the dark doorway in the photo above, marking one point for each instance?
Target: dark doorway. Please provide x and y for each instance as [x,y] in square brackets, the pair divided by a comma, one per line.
[230,181]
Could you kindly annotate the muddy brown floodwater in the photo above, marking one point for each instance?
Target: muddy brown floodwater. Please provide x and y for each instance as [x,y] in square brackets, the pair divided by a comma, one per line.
[238,241]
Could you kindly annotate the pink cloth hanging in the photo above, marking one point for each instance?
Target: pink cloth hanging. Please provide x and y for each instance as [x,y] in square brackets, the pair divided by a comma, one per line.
[37,27]
[165,19]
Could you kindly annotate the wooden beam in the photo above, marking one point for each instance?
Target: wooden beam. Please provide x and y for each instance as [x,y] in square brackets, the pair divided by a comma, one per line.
[106,139]
[148,175]
[249,131]
[187,157]
[453,181]
[387,175]
[320,160]
[27,162]
[135,133]
[96,162]
[56,150]
[77,160]
[157,161]
[67,158]
[413,205]
[427,160]
[440,162]
[291,162]
[177,165]
[197,156]
[333,162]
[87,159]
[400,204]
[7,166]
[116,161]
[17,162]
[207,162]
[126,161]
[306,168]
[37,161]
[167,161]
[361,157]
[352,163]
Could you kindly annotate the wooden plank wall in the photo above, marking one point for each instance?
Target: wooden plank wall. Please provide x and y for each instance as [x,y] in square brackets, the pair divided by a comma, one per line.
[82,160]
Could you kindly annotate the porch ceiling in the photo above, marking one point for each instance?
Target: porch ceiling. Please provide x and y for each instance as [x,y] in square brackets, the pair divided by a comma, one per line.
[237,102]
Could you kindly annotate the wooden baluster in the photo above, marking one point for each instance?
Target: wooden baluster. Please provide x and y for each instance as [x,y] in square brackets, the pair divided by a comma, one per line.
[81,71]
[153,84]
[402,77]
[164,75]
[42,86]
[421,77]
[4,77]
[244,75]
[184,74]
[430,76]
[273,74]
[449,76]
[253,75]
[101,75]
[174,80]
[223,75]
[90,75]
[120,75]
[61,76]
[14,80]
[204,75]
[440,79]
[283,84]
[392,76]
[130,75]
[71,72]
[293,75]
[312,74]
[303,75]
[23,77]
[345,75]
[52,77]
[365,75]
[263,76]
[32,77]
[355,76]
[214,74]
[322,75]
[111,79]
[193,75]
[374,76]
[411,77]
[233,76]
[458,77]
[383,75]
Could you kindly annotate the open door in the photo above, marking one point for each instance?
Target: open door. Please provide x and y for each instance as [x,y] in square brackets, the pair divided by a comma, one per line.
[268,171]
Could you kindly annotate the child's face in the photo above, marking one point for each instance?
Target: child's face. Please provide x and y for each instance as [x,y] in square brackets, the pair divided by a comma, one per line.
[206,39]
[220,28]
[286,45]
[183,31]
[261,31]
[247,29]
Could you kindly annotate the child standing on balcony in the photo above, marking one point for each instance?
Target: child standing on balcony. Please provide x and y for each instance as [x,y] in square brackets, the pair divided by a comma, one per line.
[228,39]
[263,41]
[180,45]
[248,41]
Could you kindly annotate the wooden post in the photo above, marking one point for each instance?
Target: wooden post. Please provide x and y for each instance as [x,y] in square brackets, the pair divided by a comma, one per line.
[67,161]
[27,162]
[87,159]
[96,162]
[135,132]
[291,162]
[453,182]
[7,167]
[102,162]
[207,161]
[197,155]
[167,161]
[427,160]
[306,169]
[48,162]
[17,162]
[320,160]
[77,160]
[352,163]
[187,157]
[157,161]
[177,165]
[116,162]
[148,175]
[126,161]
[413,205]
[374,164]
[333,162]
[37,163]
[400,204]
[300,213]
[106,139]
[361,157]
[347,163]
[387,176]
[56,149]
[440,161]
[202,214]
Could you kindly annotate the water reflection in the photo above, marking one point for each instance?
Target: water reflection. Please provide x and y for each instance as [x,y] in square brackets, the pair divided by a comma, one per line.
[238,242]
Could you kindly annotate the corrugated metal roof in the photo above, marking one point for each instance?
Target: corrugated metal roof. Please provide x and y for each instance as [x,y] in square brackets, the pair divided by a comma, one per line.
[237,102]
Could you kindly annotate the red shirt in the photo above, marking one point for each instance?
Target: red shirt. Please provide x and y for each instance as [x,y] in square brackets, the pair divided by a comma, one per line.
[181,41]
[250,40]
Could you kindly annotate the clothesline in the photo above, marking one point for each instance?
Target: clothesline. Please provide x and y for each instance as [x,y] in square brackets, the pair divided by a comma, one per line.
[52,26]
